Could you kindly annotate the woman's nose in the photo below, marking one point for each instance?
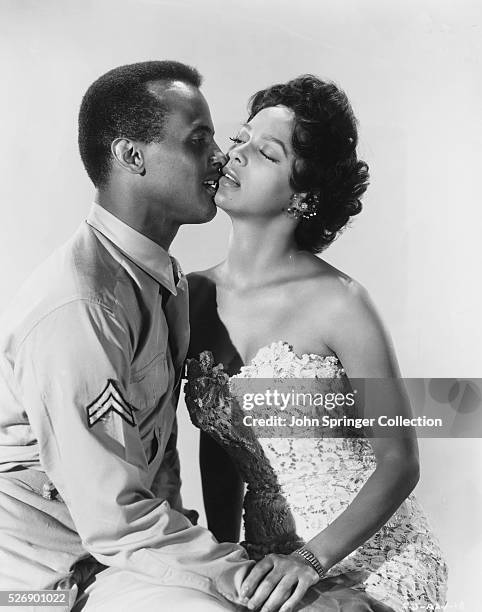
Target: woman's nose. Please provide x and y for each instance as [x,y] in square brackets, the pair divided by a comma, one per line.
[237,154]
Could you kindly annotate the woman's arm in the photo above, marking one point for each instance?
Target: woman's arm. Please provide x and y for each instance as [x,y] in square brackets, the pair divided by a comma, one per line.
[223,490]
[363,347]
[356,335]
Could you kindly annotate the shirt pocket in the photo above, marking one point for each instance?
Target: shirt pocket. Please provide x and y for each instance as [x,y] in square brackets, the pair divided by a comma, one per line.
[149,383]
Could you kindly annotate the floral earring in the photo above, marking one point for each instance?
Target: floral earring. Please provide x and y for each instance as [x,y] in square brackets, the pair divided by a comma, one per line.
[303,206]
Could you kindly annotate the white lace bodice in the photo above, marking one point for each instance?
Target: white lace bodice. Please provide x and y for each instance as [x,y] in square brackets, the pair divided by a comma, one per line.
[278,360]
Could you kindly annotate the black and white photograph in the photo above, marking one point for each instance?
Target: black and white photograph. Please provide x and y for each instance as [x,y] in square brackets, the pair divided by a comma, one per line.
[240,312]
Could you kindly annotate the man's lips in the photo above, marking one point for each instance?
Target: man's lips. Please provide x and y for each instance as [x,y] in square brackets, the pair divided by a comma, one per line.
[211,186]
[211,183]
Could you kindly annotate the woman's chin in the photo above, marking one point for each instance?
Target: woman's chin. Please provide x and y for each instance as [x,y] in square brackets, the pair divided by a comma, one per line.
[221,201]
[229,205]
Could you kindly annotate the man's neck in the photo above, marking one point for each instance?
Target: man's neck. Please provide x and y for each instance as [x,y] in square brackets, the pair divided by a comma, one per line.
[136,215]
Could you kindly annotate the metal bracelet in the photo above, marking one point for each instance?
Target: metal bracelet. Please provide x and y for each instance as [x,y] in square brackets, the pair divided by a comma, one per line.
[308,556]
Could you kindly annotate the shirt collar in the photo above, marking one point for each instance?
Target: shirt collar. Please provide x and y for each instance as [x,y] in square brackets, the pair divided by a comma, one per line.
[143,251]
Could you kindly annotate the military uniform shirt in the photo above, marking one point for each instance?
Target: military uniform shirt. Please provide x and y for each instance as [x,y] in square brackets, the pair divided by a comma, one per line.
[88,371]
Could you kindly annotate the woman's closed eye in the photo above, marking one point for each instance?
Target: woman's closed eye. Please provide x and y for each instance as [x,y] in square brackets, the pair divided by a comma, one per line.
[271,159]
[236,140]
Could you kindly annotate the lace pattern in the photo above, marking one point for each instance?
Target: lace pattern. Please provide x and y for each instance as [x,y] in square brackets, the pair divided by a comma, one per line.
[297,486]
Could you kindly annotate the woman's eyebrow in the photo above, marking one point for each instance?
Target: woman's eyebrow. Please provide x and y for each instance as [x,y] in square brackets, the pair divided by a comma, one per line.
[277,141]
[246,126]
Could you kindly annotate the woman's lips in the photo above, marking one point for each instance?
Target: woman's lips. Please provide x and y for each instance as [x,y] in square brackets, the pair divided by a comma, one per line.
[229,180]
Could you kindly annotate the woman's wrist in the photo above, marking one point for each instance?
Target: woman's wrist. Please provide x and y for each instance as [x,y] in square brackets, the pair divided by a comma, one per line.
[310,559]
[323,549]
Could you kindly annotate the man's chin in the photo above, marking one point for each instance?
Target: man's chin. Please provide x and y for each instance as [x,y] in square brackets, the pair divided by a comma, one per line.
[206,215]
[212,213]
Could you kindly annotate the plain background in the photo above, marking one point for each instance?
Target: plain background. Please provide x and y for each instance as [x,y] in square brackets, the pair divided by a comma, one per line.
[412,70]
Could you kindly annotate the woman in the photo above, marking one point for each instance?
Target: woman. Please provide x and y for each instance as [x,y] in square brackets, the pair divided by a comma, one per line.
[291,184]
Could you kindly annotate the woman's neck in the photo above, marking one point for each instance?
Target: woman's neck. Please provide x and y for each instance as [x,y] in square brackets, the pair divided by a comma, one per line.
[258,253]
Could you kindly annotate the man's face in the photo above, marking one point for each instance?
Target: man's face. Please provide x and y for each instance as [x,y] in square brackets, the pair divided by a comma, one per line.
[179,167]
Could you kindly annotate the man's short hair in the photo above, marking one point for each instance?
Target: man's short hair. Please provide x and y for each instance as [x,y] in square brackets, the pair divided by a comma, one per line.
[119,104]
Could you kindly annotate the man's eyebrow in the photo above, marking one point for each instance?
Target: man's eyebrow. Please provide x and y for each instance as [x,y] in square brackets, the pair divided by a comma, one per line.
[206,129]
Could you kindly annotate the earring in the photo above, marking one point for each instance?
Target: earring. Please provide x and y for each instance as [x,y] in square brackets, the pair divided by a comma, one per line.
[304,208]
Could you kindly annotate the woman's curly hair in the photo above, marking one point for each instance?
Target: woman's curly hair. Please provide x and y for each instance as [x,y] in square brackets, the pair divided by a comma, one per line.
[324,142]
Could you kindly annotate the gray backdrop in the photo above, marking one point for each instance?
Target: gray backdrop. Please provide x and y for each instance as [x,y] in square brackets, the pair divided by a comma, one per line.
[412,70]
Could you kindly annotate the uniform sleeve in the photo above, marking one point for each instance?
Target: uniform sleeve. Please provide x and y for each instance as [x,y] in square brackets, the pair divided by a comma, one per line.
[72,370]
[167,482]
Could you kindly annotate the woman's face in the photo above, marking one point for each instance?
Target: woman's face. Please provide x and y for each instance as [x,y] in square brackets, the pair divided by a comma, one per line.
[256,177]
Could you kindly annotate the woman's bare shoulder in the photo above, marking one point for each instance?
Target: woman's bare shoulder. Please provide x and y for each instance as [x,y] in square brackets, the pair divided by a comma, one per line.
[335,288]
[350,324]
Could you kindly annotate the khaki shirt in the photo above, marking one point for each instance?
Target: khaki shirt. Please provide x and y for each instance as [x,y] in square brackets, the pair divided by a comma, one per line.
[88,371]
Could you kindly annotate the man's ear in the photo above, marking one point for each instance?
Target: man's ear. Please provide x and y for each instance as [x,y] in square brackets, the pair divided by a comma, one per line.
[128,155]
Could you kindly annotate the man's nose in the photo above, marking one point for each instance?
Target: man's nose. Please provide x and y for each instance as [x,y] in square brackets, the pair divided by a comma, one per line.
[218,158]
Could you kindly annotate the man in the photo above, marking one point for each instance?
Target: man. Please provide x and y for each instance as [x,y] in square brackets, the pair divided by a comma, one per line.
[92,349]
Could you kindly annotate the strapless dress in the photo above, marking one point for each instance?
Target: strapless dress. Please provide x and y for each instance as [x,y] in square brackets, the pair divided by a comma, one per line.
[296,486]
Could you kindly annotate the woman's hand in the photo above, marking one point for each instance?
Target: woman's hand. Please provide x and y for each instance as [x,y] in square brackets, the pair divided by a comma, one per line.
[277,582]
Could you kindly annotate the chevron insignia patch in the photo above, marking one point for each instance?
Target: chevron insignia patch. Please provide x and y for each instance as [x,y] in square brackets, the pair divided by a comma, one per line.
[110,399]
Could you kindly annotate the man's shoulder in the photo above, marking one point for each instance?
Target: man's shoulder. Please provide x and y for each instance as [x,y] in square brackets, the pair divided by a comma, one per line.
[84,269]
[93,264]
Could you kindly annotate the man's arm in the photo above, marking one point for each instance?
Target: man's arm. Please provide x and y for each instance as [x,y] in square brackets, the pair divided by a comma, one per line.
[70,368]
[167,481]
